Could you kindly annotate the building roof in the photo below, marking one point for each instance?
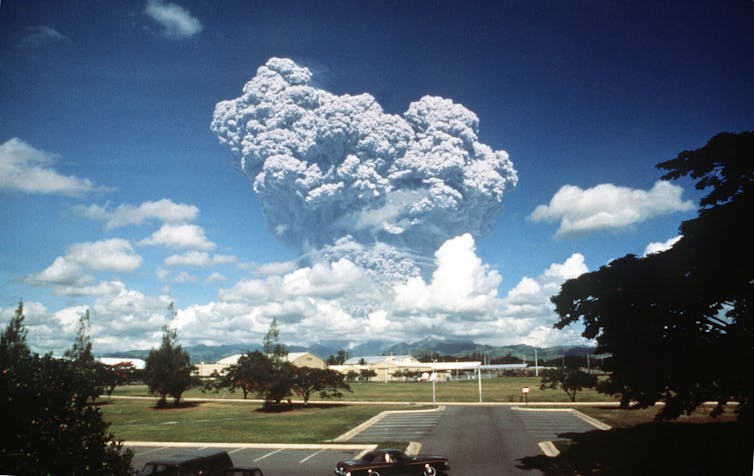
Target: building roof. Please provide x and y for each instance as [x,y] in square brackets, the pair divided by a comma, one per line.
[232,359]
[137,363]
[375,359]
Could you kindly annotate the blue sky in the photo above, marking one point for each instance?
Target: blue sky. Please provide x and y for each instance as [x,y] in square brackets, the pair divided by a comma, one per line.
[117,194]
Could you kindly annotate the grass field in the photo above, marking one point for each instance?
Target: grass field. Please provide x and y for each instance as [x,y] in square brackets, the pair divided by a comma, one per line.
[217,421]
[504,389]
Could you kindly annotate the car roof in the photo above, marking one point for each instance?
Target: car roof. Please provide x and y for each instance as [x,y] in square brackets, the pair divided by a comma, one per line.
[185,457]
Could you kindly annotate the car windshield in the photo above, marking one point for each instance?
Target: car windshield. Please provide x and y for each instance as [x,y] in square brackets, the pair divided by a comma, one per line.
[159,469]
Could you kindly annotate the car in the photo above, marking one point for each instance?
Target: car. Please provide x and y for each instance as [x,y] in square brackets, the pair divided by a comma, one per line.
[385,462]
[204,463]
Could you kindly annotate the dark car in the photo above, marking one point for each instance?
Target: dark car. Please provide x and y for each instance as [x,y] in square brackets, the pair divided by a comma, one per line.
[198,463]
[386,462]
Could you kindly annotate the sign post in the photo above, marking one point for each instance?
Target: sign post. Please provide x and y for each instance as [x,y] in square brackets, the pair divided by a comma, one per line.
[525,391]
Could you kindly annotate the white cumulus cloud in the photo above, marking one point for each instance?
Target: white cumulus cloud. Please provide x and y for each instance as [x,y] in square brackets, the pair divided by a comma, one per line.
[609,207]
[198,258]
[459,284]
[175,21]
[70,272]
[164,210]
[24,168]
[184,236]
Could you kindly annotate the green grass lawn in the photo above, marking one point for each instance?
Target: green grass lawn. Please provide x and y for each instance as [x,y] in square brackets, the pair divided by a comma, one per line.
[503,389]
[234,422]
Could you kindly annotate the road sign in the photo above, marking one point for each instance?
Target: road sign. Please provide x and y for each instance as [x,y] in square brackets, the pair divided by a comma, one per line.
[525,390]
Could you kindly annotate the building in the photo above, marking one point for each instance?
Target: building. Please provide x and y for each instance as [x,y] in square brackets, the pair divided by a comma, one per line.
[394,367]
[299,359]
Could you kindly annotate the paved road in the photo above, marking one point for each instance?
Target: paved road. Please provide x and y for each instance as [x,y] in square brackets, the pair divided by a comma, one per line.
[490,440]
[478,441]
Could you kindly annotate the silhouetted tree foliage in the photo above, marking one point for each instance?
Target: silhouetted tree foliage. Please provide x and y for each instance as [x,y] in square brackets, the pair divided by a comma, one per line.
[167,370]
[679,324]
[47,425]
[308,381]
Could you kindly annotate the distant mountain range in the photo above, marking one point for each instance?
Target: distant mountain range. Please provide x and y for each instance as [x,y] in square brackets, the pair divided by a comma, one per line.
[429,345]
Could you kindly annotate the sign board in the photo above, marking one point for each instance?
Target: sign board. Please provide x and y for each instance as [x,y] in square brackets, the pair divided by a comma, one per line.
[525,390]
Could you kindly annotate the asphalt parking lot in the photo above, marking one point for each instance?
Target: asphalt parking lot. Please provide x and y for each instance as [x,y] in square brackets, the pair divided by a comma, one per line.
[478,440]
[282,460]
[400,426]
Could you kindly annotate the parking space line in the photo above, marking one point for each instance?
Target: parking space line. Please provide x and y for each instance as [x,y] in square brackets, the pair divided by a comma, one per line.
[235,450]
[311,456]
[268,454]
[150,451]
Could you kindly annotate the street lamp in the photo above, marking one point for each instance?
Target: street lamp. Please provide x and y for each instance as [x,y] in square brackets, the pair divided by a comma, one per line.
[434,395]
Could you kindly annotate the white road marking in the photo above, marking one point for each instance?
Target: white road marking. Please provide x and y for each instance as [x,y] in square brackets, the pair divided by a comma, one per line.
[268,454]
[311,456]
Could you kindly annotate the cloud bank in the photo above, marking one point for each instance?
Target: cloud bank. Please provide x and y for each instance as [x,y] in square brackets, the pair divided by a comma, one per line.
[338,176]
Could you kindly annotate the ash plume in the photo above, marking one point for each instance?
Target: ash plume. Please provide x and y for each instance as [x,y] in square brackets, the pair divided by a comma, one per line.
[337,176]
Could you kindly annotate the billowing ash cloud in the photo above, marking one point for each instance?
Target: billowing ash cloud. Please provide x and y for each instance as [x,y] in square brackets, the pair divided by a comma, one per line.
[336,174]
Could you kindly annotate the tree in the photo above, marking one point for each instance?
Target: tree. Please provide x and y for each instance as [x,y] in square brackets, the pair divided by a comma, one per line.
[167,370]
[569,379]
[279,386]
[47,427]
[251,373]
[271,344]
[329,383]
[110,376]
[87,368]
[366,374]
[338,359]
[679,324]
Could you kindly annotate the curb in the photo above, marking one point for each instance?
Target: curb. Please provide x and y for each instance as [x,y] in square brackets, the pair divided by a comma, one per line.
[292,446]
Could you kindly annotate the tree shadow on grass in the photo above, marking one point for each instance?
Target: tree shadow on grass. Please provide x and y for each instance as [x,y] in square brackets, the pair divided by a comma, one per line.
[292,407]
[174,406]
[652,448]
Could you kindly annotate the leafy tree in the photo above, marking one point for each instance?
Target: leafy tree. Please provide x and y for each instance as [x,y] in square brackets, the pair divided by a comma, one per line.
[329,383]
[366,374]
[279,386]
[352,376]
[110,376]
[271,344]
[13,339]
[679,324]
[252,374]
[569,379]
[88,370]
[167,370]
[47,427]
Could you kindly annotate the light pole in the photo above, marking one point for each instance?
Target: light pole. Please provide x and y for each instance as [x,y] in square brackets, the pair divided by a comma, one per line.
[434,395]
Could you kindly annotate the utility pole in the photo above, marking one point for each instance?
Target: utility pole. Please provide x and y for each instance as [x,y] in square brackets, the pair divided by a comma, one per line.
[536,364]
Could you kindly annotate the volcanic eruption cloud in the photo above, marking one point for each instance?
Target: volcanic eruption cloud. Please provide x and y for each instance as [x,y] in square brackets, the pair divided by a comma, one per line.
[339,178]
